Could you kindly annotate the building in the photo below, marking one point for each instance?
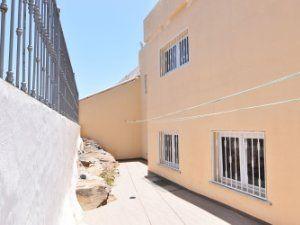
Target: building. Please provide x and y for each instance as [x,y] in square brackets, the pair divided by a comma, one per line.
[219,103]
[103,117]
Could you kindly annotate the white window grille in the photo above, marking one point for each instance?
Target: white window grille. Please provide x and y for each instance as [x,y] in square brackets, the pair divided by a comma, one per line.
[239,161]
[184,50]
[169,150]
[175,54]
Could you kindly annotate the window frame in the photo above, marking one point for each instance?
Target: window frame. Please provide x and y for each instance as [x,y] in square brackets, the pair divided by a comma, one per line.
[217,170]
[167,65]
[162,161]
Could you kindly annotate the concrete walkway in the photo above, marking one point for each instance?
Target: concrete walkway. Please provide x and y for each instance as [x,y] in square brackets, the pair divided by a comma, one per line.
[143,199]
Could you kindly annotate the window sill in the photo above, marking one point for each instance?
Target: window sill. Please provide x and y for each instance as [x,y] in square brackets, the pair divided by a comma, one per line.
[242,192]
[169,167]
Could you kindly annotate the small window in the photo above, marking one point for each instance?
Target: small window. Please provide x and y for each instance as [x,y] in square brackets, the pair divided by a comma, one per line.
[169,149]
[239,161]
[174,54]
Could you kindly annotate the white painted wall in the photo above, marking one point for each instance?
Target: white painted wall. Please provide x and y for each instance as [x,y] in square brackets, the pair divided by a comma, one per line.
[37,162]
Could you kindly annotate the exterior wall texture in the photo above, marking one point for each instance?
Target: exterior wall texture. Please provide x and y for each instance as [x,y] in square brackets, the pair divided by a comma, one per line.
[38,171]
[234,45]
[103,118]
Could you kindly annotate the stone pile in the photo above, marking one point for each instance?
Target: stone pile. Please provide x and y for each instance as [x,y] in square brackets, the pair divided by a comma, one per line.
[97,171]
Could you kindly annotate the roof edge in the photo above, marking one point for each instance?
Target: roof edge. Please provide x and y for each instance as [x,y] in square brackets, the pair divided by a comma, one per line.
[112,87]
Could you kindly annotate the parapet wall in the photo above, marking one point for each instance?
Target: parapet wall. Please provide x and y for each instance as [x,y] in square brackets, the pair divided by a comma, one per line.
[37,162]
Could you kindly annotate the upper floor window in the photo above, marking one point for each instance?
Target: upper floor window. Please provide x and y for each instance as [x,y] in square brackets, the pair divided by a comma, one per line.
[174,54]
[239,161]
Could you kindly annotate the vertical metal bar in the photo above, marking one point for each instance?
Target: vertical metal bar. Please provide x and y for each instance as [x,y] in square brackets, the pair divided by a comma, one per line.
[245,149]
[47,33]
[30,48]
[47,78]
[216,152]
[212,142]
[38,60]
[259,176]
[42,50]
[59,55]
[44,13]
[165,147]
[252,164]
[50,30]
[43,71]
[177,149]
[39,39]
[24,84]
[50,82]
[159,147]
[19,32]
[41,68]
[3,8]
[230,160]
[188,49]
[33,91]
[235,159]
[169,149]
[226,171]
[10,74]
[172,149]
[264,153]
[58,90]
[220,154]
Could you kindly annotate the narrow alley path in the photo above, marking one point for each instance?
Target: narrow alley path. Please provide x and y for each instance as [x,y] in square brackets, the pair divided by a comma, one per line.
[143,200]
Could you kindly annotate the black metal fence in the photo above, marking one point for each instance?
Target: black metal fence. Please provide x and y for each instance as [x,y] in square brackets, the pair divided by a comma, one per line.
[34,55]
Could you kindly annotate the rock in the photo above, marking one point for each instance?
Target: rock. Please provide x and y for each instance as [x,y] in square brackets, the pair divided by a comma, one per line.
[92,192]
[98,170]
[83,176]
[85,163]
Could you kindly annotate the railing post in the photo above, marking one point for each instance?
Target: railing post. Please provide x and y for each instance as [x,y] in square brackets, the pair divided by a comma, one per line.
[30,48]
[3,8]
[10,74]
[24,84]
[19,32]
[33,91]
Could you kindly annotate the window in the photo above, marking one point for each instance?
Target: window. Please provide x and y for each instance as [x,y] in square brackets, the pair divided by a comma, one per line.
[239,161]
[174,54]
[169,149]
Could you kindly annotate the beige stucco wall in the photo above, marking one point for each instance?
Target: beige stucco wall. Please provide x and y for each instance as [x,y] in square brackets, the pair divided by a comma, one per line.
[234,45]
[103,118]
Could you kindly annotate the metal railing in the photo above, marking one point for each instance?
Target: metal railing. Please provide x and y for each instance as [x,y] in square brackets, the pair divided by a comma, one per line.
[37,59]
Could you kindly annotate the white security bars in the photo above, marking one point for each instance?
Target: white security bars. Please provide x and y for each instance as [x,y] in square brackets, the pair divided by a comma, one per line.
[169,150]
[174,54]
[239,161]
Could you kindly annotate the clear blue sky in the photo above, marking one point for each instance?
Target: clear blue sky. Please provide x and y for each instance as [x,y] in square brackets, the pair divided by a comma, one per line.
[103,38]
